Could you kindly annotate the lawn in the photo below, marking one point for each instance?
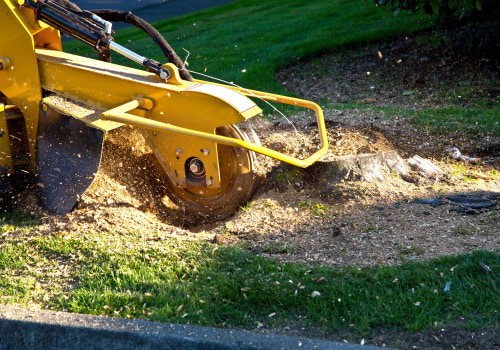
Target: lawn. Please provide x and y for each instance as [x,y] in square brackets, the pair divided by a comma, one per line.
[225,286]
[183,281]
[246,41]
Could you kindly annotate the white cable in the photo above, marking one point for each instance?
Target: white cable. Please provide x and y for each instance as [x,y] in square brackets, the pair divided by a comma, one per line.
[185,60]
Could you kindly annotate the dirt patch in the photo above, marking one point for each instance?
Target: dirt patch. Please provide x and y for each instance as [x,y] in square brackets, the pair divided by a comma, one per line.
[293,219]
[355,223]
[454,68]
[361,223]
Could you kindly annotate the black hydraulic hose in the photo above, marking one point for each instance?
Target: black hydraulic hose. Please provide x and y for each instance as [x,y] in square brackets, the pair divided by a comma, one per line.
[73,7]
[129,18]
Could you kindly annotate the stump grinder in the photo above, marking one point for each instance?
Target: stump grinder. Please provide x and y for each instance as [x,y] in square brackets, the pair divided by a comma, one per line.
[56,109]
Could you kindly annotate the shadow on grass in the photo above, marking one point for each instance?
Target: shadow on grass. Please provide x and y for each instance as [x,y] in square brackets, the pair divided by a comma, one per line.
[227,287]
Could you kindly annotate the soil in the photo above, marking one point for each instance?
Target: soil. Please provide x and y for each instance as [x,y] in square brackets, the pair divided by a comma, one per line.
[355,223]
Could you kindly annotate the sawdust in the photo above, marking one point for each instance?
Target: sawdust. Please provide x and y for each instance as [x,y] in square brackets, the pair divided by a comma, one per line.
[355,224]
[371,224]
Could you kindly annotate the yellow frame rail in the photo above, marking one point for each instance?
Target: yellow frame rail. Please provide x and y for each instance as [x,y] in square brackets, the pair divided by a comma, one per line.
[119,114]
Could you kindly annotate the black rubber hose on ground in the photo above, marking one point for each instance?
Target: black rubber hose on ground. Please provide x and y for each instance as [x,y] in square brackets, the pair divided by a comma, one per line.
[129,18]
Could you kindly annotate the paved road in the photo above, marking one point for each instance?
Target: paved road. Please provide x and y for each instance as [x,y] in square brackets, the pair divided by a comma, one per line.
[48,330]
[152,10]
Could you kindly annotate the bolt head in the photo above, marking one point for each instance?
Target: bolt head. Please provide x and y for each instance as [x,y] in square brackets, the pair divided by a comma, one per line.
[194,167]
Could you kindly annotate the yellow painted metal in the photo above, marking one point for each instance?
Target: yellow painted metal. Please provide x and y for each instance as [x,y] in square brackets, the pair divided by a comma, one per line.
[19,81]
[173,159]
[175,150]
[108,85]
[184,108]
[320,120]
[199,106]
[119,115]
[44,36]
[181,118]
[19,78]
[5,151]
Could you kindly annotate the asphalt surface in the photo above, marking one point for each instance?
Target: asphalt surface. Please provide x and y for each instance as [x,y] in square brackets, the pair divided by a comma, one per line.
[152,10]
[44,330]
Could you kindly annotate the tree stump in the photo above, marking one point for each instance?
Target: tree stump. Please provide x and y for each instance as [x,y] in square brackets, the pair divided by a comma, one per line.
[362,167]
[377,167]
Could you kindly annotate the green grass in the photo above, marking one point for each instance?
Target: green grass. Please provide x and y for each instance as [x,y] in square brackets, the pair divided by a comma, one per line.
[473,121]
[318,209]
[202,284]
[468,120]
[228,287]
[198,283]
[259,37]
[246,42]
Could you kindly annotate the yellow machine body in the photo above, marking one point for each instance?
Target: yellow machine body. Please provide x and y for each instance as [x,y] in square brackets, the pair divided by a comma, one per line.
[198,106]
[178,118]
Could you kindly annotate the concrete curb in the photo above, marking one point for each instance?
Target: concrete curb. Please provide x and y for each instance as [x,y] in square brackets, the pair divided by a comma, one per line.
[29,329]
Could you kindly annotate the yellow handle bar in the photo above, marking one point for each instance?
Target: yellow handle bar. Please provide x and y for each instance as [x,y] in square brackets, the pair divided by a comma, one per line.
[119,114]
